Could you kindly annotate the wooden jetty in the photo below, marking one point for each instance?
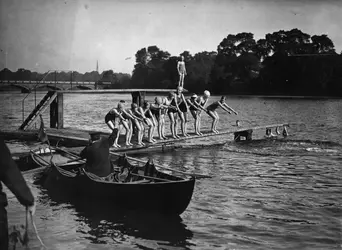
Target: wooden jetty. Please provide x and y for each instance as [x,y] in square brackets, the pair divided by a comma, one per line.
[71,137]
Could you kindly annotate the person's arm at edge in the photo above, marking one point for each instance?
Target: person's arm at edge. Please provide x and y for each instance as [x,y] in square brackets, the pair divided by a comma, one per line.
[12,177]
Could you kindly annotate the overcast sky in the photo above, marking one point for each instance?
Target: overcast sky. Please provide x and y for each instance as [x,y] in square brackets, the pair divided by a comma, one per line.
[73,34]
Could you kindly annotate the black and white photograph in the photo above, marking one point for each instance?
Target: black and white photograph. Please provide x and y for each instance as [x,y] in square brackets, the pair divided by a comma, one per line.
[171,124]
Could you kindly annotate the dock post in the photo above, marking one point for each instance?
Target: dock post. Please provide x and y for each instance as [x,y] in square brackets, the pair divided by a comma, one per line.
[138,97]
[56,112]
[247,134]
[53,113]
[60,110]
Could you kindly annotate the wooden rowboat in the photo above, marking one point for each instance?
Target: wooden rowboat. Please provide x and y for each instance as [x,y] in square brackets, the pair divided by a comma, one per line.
[129,186]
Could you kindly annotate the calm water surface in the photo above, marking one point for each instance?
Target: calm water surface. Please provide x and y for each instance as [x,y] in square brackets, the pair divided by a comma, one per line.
[265,194]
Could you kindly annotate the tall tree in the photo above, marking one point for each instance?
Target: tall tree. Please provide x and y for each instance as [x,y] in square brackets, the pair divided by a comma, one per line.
[322,44]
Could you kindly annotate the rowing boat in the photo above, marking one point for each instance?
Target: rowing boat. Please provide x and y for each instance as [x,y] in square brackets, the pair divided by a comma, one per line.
[128,186]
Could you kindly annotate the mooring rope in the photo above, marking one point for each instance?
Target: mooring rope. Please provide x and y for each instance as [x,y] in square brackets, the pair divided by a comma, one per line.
[34,227]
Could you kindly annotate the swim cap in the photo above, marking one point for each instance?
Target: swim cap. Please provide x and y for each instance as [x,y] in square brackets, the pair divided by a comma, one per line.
[194,96]
[207,93]
[158,100]
[121,105]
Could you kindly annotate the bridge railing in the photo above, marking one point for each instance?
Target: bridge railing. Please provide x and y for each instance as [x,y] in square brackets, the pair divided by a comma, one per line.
[35,88]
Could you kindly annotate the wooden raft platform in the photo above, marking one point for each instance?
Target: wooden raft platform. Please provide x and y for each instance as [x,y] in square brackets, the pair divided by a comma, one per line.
[76,138]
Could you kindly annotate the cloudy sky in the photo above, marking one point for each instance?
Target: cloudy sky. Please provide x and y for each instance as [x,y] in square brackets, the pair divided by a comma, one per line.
[73,34]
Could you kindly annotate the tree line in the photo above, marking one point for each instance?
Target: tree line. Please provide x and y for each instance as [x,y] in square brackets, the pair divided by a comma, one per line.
[284,63]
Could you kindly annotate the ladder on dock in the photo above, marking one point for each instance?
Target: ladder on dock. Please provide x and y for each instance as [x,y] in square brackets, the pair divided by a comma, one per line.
[42,105]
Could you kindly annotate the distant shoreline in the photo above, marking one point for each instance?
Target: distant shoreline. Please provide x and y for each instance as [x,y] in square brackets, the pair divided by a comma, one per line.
[2,91]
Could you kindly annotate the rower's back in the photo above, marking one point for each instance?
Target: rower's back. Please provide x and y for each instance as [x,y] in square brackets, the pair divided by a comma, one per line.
[97,155]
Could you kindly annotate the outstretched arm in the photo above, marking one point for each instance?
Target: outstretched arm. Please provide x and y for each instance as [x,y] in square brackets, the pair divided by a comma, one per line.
[118,114]
[127,114]
[134,117]
[142,113]
[224,107]
[231,109]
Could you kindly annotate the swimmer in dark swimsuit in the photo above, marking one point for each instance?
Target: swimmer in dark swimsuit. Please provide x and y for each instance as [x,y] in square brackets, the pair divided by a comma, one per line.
[158,110]
[194,107]
[138,120]
[202,101]
[183,110]
[127,114]
[114,119]
[172,112]
[149,121]
[181,107]
[211,109]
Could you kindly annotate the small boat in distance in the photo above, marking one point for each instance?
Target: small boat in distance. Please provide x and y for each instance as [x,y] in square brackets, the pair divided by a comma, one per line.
[128,186]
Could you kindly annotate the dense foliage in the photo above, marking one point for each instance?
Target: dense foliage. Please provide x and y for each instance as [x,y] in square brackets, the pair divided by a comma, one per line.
[284,62]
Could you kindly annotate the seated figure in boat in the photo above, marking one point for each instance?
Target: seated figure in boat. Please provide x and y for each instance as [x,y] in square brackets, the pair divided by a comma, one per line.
[211,110]
[158,110]
[115,118]
[97,154]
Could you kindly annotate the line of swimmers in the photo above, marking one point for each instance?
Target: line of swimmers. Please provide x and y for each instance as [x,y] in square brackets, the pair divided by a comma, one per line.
[152,116]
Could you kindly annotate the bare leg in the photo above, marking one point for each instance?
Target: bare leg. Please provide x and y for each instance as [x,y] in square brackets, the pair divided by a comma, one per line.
[141,135]
[162,126]
[172,125]
[194,115]
[110,124]
[181,80]
[199,116]
[159,126]
[150,130]
[138,127]
[176,125]
[186,123]
[126,126]
[216,122]
[212,115]
[181,116]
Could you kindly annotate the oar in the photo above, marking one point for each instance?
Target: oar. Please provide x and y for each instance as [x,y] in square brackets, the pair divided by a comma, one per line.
[159,166]
[32,171]
[77,159]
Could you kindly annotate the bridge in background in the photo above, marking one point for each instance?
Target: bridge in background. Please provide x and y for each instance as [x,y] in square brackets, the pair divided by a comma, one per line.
[28,86]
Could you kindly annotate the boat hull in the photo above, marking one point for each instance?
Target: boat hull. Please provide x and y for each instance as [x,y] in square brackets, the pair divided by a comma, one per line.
[169,194]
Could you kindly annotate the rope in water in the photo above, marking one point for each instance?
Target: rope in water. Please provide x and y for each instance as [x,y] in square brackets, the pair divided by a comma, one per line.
[36,231]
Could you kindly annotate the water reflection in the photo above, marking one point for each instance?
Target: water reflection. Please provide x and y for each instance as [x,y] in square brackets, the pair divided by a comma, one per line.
[103,223]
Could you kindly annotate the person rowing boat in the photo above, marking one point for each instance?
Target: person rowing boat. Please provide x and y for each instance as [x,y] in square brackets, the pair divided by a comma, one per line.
[97,154]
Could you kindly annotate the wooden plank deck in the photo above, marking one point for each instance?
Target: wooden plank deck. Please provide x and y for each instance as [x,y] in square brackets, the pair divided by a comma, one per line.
[79,138]
[120,91]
